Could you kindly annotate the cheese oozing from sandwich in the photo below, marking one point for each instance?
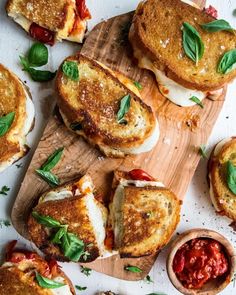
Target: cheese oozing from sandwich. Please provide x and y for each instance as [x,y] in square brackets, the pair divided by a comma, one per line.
[216,152]
[29,120]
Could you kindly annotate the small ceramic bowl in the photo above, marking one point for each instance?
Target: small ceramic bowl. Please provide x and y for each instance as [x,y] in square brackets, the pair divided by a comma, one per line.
[214,286]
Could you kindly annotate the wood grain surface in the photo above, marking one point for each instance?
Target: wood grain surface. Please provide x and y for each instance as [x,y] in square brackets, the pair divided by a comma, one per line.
[173,160]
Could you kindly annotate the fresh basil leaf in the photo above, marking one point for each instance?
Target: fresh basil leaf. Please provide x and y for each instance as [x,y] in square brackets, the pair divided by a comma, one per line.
[4,222]
[6,122]
[148,279]
[86,271]
[124,108]
[71,70]
[76,126]
[47,283]
[231,177]
[192,43]
[4,190]
[217,25]
[202,151]
[80,288]
[227,62]
[49,177]
[59,234]
[73,248]
[134,269]
[197,101]
[25,63]
[41,76]
[46,220]
[138,85]
[52,160]
[38,55]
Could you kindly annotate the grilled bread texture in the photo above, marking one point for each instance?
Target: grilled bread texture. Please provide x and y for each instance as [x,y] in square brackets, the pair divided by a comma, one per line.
[156,34]
[224,200]
[73,205]
[92,103]
[58,16]
[14,98]
[17,275]
[143,217]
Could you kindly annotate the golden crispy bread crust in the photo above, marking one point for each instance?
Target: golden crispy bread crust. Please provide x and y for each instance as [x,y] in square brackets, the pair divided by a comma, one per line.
[70,211]
[224,198]
[94,102]
[49,14]
[159,22]
[149,217]
[19,282]
[13,99]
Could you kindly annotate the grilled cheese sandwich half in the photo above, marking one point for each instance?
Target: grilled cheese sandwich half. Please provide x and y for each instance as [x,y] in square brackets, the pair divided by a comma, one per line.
[89,107]
[18,275]
[75,207]
[156,38]
[15,97]
[221,177]
[143,215]
[48,21]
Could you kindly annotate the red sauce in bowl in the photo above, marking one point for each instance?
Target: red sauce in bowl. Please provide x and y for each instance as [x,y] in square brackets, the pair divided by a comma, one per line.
[198,261]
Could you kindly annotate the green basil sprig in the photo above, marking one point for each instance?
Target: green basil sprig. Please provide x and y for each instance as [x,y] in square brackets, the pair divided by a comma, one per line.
[6,122]
[49,177]
[71,70]
[197,101]
[47,283]
[138,85]
[231,177]
[228,62]
[134,269]
[124,108]
[86,271]
[202,151]
[217,26]
[72,247]
[52,160]
[80,288]
[37,57]
[192,43]
[45,169]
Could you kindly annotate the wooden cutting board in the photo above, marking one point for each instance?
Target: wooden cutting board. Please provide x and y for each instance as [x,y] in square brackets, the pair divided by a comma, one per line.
[173,160]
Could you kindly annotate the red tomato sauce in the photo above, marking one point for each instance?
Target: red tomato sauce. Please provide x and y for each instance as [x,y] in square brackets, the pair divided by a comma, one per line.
[199,261]
[42,34]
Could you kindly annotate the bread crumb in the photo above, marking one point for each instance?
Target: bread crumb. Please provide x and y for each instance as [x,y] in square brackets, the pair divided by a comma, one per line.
[166,140]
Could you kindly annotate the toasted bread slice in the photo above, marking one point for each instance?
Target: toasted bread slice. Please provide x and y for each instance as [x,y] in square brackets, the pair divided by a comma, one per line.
[144,215]
[223,199]
[92,103]
[73,205]
[61,17]
[14,98]
[17,275]
[156,35]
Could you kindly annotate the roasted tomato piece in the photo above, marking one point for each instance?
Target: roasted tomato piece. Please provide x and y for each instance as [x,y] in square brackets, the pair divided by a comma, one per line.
[83,10]
[211,11]
[41,34]
[139,174]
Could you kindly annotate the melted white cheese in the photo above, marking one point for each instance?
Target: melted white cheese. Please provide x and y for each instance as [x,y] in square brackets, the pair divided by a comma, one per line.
[148,144]
[21,20]
[169,88]
[64,290]
[56,195]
